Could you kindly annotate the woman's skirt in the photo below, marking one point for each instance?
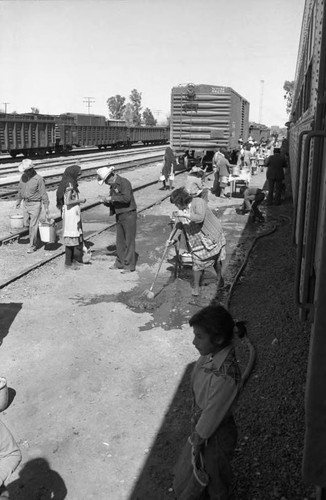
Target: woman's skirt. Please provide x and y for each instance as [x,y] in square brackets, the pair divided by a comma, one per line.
[202,257]
[200,263]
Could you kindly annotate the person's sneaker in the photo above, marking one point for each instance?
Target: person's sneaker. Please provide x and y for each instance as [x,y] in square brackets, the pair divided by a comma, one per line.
[31,249]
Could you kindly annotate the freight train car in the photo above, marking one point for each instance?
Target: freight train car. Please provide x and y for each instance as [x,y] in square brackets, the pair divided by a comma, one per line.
[259,133]
[35,134]
[27,134]
[207,117]
[307,151]
[74,129]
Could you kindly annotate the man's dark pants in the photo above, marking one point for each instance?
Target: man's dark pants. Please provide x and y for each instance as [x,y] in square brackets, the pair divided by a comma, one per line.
[125,239]
[277,184]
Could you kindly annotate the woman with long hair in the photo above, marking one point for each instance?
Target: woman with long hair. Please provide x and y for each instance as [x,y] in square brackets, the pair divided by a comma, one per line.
[68,202]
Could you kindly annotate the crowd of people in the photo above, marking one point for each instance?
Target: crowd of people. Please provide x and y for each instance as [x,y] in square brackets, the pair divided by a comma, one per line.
[216,378]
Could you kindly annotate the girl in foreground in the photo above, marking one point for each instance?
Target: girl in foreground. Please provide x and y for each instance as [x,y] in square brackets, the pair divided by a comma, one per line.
[215,386]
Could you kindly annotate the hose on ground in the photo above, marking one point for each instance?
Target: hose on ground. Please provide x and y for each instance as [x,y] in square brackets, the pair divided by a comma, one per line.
[245,339]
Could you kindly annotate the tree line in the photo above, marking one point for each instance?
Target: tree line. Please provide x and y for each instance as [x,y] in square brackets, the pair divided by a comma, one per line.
[130,112]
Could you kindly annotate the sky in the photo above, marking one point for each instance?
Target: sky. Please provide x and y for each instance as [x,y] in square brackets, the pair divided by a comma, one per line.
[56,53]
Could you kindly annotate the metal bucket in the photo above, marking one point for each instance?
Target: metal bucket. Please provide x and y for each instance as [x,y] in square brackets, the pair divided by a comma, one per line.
[48,232]
[236,170]
[16,221]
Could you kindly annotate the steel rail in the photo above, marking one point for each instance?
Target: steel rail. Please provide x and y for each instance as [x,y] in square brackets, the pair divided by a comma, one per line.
[57,162]
[61,251]
[121,166]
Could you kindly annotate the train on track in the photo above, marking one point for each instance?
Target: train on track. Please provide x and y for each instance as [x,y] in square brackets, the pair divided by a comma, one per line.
[207,117]
[33,134]
[307,153]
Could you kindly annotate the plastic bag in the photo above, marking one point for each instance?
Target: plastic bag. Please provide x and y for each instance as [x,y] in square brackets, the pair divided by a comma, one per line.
[171,176]
[162,178]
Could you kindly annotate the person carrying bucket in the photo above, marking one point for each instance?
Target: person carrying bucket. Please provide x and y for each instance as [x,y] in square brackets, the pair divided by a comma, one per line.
[169,166]
[69,202]
[32,192]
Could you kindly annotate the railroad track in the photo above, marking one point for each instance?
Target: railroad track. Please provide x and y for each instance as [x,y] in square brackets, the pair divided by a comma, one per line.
[6,158]
[11,168]
[60,251]
[51,174]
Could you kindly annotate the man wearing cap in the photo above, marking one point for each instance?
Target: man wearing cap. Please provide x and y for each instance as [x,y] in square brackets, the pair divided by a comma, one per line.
[32,191]
[276,164]
[121,202]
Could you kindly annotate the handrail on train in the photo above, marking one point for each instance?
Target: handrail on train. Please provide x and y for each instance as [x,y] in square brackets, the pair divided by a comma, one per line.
[308,253]
[297,181]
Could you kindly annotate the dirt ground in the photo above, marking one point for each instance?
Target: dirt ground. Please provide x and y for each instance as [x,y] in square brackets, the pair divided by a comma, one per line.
[99,376]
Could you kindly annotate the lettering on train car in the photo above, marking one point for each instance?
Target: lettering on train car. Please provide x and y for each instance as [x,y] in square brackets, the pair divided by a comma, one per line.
[218,90]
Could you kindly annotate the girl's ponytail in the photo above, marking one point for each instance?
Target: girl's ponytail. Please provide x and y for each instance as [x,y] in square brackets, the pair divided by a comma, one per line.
[240,329]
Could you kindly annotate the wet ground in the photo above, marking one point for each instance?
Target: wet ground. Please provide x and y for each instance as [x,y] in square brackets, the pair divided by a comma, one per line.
[99,371]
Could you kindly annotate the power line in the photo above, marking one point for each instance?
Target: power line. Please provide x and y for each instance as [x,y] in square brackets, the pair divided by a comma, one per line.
[89,101]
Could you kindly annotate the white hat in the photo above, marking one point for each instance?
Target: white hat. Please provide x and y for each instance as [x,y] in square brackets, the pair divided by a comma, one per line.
[103,173]
[26,165]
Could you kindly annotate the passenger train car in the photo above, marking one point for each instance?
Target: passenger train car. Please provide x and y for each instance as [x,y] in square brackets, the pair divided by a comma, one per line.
[307,152]
[35,134]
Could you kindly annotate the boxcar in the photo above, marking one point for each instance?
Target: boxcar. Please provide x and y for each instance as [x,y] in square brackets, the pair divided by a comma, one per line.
[259,133]
[28,134]
[205,117]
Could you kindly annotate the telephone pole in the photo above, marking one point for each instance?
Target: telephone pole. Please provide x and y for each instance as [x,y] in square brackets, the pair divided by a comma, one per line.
[261,101]
[89,101]
[6,103]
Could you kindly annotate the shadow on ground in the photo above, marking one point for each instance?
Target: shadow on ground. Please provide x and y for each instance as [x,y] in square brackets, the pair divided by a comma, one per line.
[155,479]
[8,313]
[37,481]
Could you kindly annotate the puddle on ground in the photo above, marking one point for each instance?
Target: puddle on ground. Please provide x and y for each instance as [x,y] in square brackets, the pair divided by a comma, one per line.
[172,304]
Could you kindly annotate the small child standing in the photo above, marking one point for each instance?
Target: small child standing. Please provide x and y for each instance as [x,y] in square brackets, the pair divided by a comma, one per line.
[215,386]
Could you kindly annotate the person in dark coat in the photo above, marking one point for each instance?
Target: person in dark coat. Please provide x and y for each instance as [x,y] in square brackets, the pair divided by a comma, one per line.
[121,202]
[169,166]
[276,164]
